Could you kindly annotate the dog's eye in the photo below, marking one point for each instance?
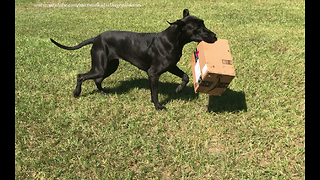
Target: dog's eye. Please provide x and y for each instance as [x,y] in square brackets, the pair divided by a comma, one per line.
[199,29]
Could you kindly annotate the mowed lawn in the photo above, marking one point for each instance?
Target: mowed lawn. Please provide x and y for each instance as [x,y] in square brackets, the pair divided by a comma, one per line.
[254,130]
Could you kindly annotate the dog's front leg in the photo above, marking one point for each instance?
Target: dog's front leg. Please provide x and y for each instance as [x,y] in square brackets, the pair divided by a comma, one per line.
[153,80]
[185,78]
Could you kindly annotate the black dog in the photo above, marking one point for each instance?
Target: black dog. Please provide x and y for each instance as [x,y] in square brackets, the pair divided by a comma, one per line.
[154,53]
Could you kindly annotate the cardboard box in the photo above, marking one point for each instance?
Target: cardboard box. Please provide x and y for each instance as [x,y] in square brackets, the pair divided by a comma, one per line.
[212,67]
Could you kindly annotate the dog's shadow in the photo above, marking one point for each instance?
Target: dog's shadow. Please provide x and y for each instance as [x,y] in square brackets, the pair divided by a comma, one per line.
[165,88]
[229,101]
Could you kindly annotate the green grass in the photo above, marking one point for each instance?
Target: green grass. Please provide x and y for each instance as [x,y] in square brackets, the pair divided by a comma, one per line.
[255,130]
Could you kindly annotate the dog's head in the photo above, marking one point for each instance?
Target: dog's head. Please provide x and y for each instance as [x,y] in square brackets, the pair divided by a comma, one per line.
[194,29]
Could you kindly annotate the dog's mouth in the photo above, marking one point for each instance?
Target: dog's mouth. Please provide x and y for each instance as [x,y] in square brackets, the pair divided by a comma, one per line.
[210,40]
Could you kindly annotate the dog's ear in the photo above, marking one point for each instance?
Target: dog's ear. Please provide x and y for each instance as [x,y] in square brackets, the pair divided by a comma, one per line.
[181,24]
[185,13]
[177,22]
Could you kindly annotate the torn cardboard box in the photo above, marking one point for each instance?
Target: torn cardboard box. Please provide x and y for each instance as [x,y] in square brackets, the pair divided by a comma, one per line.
[212,67]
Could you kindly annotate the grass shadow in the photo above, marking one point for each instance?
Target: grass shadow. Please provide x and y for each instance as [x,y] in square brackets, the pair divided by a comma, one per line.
[166,88]
[230,101]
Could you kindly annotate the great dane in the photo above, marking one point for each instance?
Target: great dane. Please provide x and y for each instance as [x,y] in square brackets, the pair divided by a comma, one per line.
[154,53]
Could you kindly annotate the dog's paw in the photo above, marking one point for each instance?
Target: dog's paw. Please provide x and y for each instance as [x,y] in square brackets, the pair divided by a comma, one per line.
[104,92]
[76,93]
[179,88]
[161,108]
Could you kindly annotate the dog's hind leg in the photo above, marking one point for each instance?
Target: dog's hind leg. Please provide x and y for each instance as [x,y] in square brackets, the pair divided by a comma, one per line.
[98,67]
[111,68]
[92,74]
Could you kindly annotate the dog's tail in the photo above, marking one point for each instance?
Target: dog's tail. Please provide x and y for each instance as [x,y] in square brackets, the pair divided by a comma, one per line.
[85,42]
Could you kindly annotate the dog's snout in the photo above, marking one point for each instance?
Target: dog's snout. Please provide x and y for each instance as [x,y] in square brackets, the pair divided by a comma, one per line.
[211,38]
[215,36]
